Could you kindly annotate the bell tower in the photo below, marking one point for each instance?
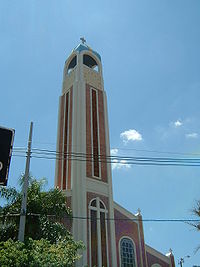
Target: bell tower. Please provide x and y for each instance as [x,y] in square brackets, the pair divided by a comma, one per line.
[82,171]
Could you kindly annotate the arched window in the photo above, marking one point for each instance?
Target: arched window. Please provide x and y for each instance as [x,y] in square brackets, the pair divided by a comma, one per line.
[127,253]
[72,64]
[90,62]
[98,233]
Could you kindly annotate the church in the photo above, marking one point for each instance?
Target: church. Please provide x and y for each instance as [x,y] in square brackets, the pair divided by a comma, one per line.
[112,235]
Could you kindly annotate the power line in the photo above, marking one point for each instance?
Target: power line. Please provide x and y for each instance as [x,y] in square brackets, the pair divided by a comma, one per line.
[81,154]
[124,160]
[136,162]
[103,156]
[133,149]
[108,219]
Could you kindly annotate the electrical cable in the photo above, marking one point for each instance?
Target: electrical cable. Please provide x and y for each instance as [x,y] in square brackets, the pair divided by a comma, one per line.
[108,219]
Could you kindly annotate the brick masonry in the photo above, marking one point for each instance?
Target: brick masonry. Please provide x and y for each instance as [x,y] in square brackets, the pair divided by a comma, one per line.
[151,259]
[101,130]
[124,227]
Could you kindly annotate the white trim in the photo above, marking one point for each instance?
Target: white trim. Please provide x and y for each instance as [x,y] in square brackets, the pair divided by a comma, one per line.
[67,193]
[119,248]
[97,186]
[57,144]
[68,62]
[157,254]
[141,258]
[99,233]
[125,212]
[99,249]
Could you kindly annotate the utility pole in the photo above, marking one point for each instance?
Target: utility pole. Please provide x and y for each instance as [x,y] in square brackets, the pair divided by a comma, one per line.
[25,188]
[181,261]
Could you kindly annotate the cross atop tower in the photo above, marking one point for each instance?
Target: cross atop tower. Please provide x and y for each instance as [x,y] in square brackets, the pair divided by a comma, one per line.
[83,40]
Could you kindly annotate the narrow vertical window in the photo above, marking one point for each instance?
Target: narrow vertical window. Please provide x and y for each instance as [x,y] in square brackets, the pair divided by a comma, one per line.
[98,234]
[65,141]
[103,239]
[127,253]
[95,134]
[94,238]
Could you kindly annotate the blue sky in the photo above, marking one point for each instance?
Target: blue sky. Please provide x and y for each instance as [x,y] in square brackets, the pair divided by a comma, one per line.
[151,65]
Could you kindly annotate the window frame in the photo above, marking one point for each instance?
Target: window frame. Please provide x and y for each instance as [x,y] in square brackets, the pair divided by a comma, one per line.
[134,249]
[98,210]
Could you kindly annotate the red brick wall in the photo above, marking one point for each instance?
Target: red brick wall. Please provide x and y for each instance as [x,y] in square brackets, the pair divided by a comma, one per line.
[88,133]
[65,140]
[102,137]
[65,143]
[126,228]
[151,259]
[142,242]
[70,139]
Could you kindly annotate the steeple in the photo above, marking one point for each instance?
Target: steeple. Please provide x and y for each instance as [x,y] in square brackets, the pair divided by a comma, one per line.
[113,236]
[83,143]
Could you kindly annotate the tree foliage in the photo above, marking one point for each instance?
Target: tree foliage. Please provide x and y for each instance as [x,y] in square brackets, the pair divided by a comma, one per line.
[47,241]
[44,210]
[38,253]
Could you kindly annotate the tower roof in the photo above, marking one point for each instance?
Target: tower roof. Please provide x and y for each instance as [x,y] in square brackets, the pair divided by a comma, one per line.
[82,47]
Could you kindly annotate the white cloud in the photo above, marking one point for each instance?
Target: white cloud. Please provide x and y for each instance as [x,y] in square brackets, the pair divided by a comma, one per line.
[178,123]
[118,164]
[192,135]
[114,151]
[131,135]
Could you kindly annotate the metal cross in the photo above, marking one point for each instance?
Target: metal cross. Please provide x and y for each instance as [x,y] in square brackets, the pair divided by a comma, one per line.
[139,211]
[83,40]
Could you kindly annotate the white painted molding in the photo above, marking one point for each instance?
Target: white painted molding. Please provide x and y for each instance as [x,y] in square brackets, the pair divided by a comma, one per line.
[96,186]
[157,254]
[125,212]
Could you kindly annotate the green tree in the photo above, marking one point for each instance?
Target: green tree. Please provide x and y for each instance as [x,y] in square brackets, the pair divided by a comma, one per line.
[45,236]
[38,253]
[44,211]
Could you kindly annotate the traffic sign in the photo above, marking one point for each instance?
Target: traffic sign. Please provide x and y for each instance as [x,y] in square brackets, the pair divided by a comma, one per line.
[6,144]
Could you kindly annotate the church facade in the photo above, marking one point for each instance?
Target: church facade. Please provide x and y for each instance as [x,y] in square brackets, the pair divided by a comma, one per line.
[112,235]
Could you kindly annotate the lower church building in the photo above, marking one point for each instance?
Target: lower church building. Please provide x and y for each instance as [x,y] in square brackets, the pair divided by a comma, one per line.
[112,235]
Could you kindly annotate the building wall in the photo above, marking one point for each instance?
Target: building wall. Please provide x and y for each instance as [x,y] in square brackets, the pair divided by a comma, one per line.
[151,259]
[125,227]
[83,128]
